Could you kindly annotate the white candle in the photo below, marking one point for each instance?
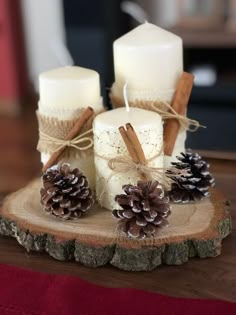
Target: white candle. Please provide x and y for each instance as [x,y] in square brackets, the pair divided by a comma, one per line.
[151,60]
[63,93]
[108,144]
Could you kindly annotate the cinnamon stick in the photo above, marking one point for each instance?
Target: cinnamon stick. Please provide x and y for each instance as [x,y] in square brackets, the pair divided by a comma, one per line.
[136,144]
[179,104]
[88,113]
[129,145]
[133,146]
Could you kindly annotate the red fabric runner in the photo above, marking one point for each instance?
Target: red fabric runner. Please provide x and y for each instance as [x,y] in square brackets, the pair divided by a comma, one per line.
[26,292]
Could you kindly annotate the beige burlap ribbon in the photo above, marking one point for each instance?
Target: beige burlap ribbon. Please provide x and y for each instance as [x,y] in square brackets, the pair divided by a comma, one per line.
[163,108]
[53,131]
[124,165]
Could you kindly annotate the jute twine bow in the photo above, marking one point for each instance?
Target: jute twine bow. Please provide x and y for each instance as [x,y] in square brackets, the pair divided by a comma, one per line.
[185,122]
[124,165]
[78,143]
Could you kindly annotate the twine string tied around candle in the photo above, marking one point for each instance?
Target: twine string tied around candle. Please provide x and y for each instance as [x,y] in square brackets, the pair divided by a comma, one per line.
[124,164]
[186,123]
[81,142]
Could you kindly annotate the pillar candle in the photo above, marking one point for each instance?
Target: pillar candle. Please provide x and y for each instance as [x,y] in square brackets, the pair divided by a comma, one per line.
[150,59]
[108,144]
[63,93]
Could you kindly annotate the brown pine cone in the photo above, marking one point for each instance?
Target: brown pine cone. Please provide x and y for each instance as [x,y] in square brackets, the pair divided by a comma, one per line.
[194,185]
[144,209]
[65,192]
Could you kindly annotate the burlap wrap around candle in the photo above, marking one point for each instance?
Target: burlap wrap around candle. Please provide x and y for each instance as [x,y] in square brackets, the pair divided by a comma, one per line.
[53,131]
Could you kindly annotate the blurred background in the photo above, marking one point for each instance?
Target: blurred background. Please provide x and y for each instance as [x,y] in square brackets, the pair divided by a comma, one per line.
[40,35]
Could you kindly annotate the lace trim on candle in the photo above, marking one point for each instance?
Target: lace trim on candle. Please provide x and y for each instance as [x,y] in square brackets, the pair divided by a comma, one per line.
[143,94]
[159,106]
[65,113]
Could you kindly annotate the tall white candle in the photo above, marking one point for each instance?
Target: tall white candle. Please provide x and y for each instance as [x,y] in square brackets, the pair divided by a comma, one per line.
[108,144]
[63,93]
[151,60]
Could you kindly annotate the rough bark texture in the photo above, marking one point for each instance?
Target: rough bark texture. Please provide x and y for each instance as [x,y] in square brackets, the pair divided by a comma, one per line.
[132,258]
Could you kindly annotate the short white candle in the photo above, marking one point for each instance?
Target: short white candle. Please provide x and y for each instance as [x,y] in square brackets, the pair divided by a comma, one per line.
[108,144]
[63,93]
[151,60]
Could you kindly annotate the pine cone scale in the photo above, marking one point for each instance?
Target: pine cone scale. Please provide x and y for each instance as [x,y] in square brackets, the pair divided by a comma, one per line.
[134,230]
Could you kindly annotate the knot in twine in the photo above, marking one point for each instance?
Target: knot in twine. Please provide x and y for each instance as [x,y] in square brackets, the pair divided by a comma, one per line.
[78,143]
[124,164]
[185,122]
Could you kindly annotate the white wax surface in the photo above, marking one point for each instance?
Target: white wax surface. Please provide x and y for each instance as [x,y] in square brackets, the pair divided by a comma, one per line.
[148,58]
[138,117]
[108,144]
[67,89]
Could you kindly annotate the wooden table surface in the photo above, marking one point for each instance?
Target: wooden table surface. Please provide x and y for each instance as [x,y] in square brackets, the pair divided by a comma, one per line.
[213,278]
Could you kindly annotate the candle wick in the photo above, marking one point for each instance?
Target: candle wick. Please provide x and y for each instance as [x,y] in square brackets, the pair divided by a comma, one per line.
[126,96]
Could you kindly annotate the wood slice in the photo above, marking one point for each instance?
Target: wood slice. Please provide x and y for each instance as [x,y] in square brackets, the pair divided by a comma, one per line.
[195,229]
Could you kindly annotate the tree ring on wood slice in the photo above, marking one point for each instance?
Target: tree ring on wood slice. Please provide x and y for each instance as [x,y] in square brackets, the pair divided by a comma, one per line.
[195,229]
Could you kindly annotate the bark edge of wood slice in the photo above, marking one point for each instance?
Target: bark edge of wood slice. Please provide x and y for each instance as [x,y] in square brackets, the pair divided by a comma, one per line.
[195,230]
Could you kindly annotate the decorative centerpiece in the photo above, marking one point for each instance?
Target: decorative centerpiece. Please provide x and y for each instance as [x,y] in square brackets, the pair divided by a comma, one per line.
[118,187]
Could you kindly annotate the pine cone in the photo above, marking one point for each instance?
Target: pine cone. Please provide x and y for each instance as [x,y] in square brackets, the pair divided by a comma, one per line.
[192,186]
[65,192]
[144,209]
